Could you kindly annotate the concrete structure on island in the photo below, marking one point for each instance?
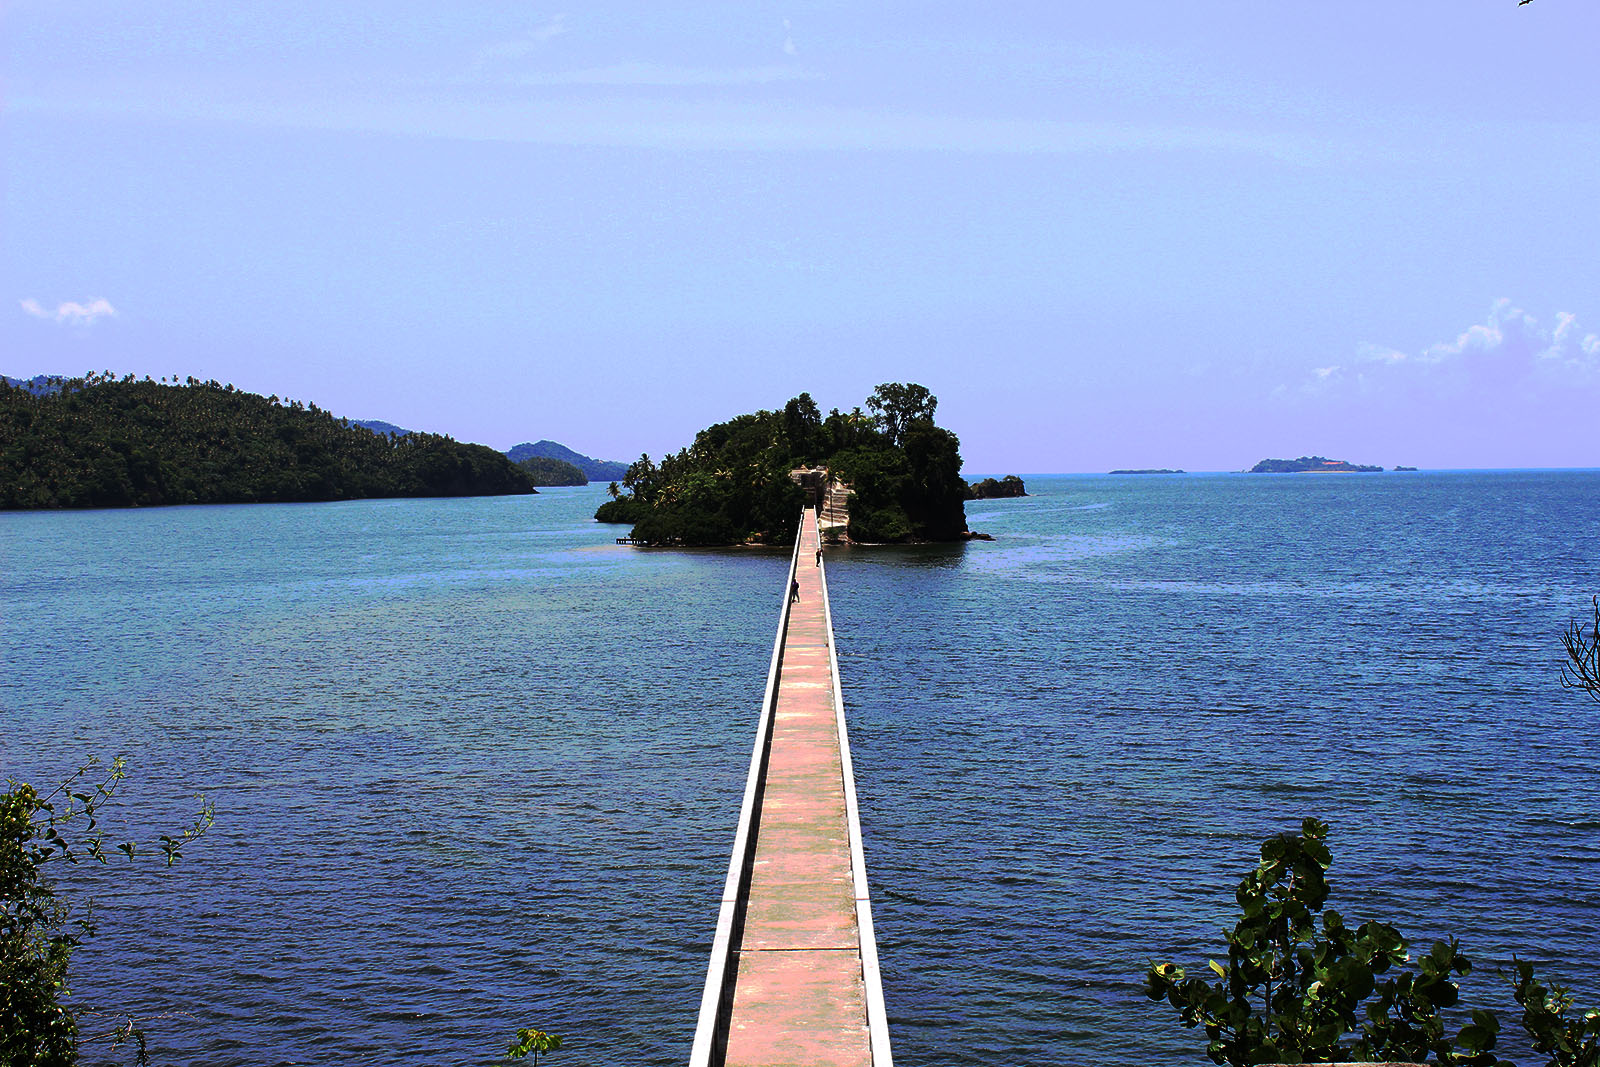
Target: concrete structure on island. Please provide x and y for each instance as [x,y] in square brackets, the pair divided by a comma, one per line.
[835,517]
[793,979]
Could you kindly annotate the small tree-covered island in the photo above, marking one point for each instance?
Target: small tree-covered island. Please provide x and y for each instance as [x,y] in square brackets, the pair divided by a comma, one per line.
[888,474]
[992,489]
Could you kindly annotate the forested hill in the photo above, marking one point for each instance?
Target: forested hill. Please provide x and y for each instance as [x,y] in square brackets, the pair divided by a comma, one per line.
[597,470]
[106,442]
[732,485]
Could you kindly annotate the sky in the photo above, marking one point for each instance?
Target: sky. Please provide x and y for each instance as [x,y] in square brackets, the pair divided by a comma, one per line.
[1130,234]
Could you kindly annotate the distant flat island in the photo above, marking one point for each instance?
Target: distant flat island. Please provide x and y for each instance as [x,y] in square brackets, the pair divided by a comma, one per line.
[1148,470]
[1311,465]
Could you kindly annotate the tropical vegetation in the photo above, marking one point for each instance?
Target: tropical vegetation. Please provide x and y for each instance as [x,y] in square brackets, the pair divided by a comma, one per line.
[545,471]
[732,485]
[101,441]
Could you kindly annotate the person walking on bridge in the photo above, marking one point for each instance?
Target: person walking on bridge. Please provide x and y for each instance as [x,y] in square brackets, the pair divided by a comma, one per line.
[794,591]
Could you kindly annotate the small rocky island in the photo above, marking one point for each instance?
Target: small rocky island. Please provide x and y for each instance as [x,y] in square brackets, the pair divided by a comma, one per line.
[990,489]
[1311,465]
[1148,470]
[887,475]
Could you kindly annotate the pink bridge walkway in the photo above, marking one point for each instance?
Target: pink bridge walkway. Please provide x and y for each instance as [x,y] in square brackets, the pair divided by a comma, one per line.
[794,969]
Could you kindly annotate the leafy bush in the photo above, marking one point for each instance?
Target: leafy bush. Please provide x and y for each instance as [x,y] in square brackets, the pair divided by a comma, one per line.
[37,931]
[532,1042]
[1300,986]
[1571,1040]
[1293,988]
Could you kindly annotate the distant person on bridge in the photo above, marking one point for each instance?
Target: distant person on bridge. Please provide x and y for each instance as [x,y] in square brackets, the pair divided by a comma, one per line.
[819,556]
[794,591]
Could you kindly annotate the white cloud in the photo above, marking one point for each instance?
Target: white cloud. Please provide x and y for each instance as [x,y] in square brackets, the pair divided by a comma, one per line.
[655,74]
[788,40]
[1511,350]
[70,313]
[527,44]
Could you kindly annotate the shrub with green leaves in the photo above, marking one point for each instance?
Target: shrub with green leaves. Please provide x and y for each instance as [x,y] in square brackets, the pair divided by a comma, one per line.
[1572,1040]
[532,1042]
[1299,986]
[38,1027]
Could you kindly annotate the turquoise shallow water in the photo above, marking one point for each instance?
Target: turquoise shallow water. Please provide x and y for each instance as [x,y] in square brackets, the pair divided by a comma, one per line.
[476,767]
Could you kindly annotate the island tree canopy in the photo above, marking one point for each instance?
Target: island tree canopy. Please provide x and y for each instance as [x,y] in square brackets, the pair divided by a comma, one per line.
[732,484]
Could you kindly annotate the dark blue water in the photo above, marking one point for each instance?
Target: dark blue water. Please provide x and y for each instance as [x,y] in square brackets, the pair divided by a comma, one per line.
[476,767]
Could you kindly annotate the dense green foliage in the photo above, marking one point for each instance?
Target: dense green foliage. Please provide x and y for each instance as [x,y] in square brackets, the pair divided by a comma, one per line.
[626,510]
[1299,986]
[1569,1036]
[732,485]
[546,471]
[990,489]
[105,442]
[38,1027]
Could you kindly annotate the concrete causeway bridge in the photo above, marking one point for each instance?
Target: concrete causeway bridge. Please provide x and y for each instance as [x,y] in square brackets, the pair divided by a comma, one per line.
[793,978]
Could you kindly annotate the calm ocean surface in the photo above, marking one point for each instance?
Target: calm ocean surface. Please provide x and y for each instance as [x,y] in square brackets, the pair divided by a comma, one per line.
[476,767]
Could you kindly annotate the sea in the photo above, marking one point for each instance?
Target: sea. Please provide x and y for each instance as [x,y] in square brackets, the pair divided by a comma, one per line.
[477,767]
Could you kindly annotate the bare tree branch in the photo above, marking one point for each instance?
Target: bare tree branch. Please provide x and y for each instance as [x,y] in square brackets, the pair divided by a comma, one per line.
[1582,671]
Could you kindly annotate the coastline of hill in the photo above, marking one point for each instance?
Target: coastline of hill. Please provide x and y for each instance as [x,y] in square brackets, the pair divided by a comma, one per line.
[549,463]
[102,441]
[595,470]
[552,472]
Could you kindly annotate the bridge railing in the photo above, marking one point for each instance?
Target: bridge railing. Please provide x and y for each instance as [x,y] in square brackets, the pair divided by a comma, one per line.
[872,980]
[716,1002]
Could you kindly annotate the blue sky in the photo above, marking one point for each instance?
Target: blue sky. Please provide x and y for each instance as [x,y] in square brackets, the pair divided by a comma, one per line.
[1112,234]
